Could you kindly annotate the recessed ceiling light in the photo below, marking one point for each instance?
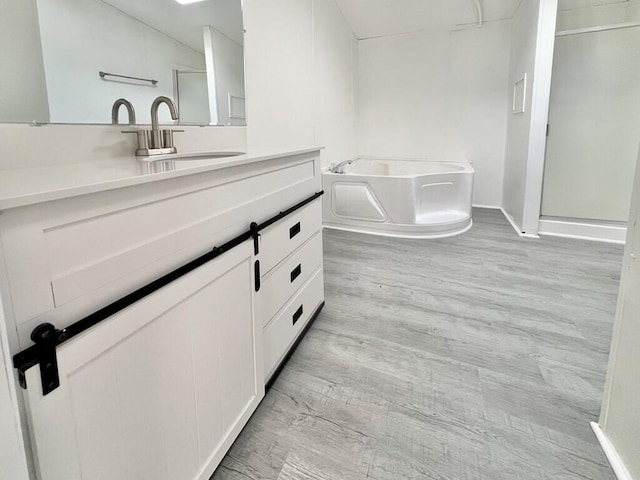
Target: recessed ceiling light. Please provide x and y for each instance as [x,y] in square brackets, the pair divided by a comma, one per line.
[187,2]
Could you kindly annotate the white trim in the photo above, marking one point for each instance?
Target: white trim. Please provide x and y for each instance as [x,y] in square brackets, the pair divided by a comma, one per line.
[517,108]
[515,225]
[232,114]
[490,207]
[610,452]
[600,28]
[393,234]
[511,221]
[509,218]
[584,231]
[540,98]
[210,62]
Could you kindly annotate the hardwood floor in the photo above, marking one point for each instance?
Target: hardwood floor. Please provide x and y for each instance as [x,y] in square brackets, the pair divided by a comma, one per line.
[481,356]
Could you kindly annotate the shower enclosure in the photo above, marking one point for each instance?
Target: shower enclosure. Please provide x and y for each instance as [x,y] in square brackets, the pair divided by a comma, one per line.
[594,131]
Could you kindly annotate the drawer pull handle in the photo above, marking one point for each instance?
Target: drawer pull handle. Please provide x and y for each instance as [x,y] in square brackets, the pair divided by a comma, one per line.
[295,273]
[293,231]
[297,315]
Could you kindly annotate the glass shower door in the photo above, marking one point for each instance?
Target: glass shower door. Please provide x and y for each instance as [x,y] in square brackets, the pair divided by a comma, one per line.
[594,125]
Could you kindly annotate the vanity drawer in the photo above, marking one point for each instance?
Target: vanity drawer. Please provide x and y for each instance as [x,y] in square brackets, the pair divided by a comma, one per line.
[282,282]
[282,238]
[282,332]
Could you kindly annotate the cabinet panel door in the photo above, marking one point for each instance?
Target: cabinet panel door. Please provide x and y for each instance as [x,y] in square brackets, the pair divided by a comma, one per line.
[159,390]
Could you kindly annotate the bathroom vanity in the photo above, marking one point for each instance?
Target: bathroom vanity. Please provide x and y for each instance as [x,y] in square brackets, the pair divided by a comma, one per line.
[223,258]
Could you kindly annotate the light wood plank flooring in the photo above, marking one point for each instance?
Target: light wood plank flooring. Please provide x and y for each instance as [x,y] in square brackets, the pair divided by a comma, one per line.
[476,357]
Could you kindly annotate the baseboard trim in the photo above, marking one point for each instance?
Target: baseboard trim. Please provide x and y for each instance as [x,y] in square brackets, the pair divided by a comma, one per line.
[515,226]
[610,452]
[511,221]
[584,231]
[490,207]
[394,234]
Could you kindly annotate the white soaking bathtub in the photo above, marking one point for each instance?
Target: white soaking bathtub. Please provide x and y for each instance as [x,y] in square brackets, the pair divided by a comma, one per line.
[399,198]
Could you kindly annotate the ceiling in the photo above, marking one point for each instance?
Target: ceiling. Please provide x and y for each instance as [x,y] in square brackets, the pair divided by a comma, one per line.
[377,18]
[368,18]
[184,22]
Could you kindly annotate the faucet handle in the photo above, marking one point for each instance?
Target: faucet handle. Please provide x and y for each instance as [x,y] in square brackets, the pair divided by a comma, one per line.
[167,137]
[143,138]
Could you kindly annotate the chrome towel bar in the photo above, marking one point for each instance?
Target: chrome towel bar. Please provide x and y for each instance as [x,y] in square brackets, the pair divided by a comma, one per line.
[106,74]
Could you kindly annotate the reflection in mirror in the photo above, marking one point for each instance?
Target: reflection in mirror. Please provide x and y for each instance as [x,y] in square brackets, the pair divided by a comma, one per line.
[67,61]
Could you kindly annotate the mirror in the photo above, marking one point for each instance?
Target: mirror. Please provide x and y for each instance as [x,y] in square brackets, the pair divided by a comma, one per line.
[67,61]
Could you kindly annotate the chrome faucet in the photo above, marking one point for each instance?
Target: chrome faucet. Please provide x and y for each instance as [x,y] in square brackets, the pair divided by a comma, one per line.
[157,141]
[162,139]
[339,168]
[116,107]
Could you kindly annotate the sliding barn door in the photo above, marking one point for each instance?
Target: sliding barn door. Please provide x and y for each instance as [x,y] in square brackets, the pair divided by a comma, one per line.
[158,391]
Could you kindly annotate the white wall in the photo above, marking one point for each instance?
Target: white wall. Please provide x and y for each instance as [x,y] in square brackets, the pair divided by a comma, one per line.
[532,42]
[300,63]
[335,76]
[477,123]
[523,49]
[620,417]
[403,95]
[81,38]
[279,70]
[23,93]
[438,95]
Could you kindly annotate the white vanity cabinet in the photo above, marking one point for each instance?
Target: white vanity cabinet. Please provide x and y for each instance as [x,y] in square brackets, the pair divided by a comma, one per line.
[161,388]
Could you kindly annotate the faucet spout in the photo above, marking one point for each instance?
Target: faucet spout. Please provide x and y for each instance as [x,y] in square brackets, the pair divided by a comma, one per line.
[339,168]
[154,111]
[130,110]
[156,137]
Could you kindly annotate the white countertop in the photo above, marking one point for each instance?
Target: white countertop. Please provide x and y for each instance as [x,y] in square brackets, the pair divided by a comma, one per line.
[26,186]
